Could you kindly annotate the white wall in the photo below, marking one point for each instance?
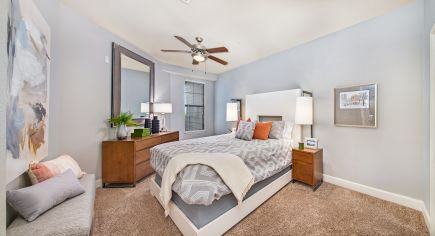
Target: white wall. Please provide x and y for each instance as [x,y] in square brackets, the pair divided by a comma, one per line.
[429,21]
[4,9]
[386,50]
[429,25]
[81,84]
[177,98]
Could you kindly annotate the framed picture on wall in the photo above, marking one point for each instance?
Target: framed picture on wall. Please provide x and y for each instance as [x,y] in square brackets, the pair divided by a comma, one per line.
[356,106]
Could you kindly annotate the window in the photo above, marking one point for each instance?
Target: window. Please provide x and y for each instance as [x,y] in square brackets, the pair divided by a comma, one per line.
[193,106]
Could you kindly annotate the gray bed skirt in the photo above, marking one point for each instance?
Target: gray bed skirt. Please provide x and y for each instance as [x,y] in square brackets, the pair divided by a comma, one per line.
[201,215]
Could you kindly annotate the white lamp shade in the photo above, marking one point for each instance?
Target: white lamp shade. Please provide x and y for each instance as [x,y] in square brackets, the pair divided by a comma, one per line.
[304,111]
[232,112]
[145,107]
[162,107]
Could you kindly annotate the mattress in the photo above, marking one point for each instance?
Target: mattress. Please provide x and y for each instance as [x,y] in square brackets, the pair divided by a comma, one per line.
[201,215]
[200,184]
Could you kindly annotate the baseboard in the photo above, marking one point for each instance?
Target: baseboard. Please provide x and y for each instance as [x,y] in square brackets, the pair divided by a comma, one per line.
[382,194]
[98,183]
[426,216]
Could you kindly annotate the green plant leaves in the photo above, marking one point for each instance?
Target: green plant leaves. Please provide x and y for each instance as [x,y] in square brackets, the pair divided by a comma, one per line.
[125,118]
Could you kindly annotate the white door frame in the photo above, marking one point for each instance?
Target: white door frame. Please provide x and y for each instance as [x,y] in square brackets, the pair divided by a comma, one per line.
[432,131]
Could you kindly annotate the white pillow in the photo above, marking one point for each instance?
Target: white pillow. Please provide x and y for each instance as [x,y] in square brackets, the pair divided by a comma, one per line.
[62,164]
[288,130]
[281,129]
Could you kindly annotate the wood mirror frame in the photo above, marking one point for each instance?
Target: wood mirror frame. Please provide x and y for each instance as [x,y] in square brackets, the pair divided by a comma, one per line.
[117,50]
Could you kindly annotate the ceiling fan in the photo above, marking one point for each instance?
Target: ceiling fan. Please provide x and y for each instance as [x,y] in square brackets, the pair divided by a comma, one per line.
[199,52]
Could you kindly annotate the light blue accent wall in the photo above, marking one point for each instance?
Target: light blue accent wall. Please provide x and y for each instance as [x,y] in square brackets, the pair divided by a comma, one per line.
[386,50]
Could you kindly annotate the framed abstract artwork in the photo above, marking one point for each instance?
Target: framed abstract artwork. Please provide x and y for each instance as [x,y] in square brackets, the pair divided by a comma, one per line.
[356,106]
[27,108]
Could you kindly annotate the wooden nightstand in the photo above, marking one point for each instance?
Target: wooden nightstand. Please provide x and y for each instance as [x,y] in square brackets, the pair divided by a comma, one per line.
[308,167]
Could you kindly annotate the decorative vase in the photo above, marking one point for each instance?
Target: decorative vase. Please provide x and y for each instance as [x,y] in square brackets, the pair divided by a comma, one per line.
[121,132]
[147,123]
[155,125]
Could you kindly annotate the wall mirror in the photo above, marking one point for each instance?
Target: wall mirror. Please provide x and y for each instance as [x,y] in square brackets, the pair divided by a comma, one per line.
[132,82]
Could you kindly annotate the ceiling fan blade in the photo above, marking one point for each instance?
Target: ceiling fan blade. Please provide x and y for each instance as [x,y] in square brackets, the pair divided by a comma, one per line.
[217,60]
[217,50]
[194,62]
[184,41]
[184,51]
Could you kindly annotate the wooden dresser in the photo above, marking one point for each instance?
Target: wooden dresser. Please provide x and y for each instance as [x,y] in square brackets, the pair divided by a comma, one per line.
[127,161]
[308,166]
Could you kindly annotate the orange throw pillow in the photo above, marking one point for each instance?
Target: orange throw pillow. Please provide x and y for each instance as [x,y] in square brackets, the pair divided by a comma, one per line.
[39,172]
[262,130]
[237,126]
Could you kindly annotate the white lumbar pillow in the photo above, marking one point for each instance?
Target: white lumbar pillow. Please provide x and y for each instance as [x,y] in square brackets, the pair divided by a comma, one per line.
[62,164]
[288,130]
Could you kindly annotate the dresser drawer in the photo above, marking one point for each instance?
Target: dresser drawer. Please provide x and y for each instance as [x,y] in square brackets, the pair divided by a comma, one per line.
[302,156]
[302,172]
[147,143]
[142,155]
[143,169]
[170,137]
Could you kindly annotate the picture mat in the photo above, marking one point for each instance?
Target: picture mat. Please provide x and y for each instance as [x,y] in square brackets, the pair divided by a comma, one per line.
[365,117]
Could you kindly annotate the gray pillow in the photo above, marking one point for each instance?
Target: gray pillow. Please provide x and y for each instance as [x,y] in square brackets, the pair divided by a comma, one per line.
[245,130]
[32,201]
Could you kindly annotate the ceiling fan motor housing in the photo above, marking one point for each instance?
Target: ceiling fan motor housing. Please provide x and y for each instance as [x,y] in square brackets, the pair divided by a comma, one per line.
[198,48]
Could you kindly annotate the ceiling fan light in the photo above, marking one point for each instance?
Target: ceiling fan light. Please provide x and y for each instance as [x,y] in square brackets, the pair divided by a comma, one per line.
[199,57]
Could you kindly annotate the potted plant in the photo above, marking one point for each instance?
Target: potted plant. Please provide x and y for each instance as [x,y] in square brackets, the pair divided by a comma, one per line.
[121,122]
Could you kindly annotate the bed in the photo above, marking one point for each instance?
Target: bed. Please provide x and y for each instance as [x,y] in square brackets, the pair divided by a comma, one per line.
[201,203]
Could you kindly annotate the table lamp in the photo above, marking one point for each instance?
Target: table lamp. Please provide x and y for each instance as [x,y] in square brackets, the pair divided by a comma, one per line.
[163,108]
[304,112]
[232,113]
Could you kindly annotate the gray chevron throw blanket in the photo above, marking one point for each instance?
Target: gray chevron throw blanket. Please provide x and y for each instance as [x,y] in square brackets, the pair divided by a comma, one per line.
[200,184]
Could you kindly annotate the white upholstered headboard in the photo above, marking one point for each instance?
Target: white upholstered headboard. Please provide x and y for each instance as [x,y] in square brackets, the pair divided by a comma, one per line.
[280,103]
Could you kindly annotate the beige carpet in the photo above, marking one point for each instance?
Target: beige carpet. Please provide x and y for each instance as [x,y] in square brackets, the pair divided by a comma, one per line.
[295,210]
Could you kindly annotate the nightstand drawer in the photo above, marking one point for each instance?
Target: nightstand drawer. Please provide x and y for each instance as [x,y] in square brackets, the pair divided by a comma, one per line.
[302,156]
[302,172]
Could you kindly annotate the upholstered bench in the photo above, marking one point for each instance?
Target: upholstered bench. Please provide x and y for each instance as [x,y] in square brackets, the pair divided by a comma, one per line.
[72,217]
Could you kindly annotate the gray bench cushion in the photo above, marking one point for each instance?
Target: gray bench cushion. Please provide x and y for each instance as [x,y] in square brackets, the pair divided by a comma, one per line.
[72,217]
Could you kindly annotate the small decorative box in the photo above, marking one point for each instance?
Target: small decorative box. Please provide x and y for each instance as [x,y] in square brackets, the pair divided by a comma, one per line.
[141,133]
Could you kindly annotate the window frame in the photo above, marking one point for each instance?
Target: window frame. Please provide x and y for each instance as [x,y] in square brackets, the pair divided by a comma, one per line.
[203,106]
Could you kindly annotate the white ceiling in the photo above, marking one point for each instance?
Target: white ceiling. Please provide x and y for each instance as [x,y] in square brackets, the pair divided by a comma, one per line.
[249,29]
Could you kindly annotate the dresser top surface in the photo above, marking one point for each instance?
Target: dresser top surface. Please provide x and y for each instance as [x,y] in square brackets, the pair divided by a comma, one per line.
[129,139]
